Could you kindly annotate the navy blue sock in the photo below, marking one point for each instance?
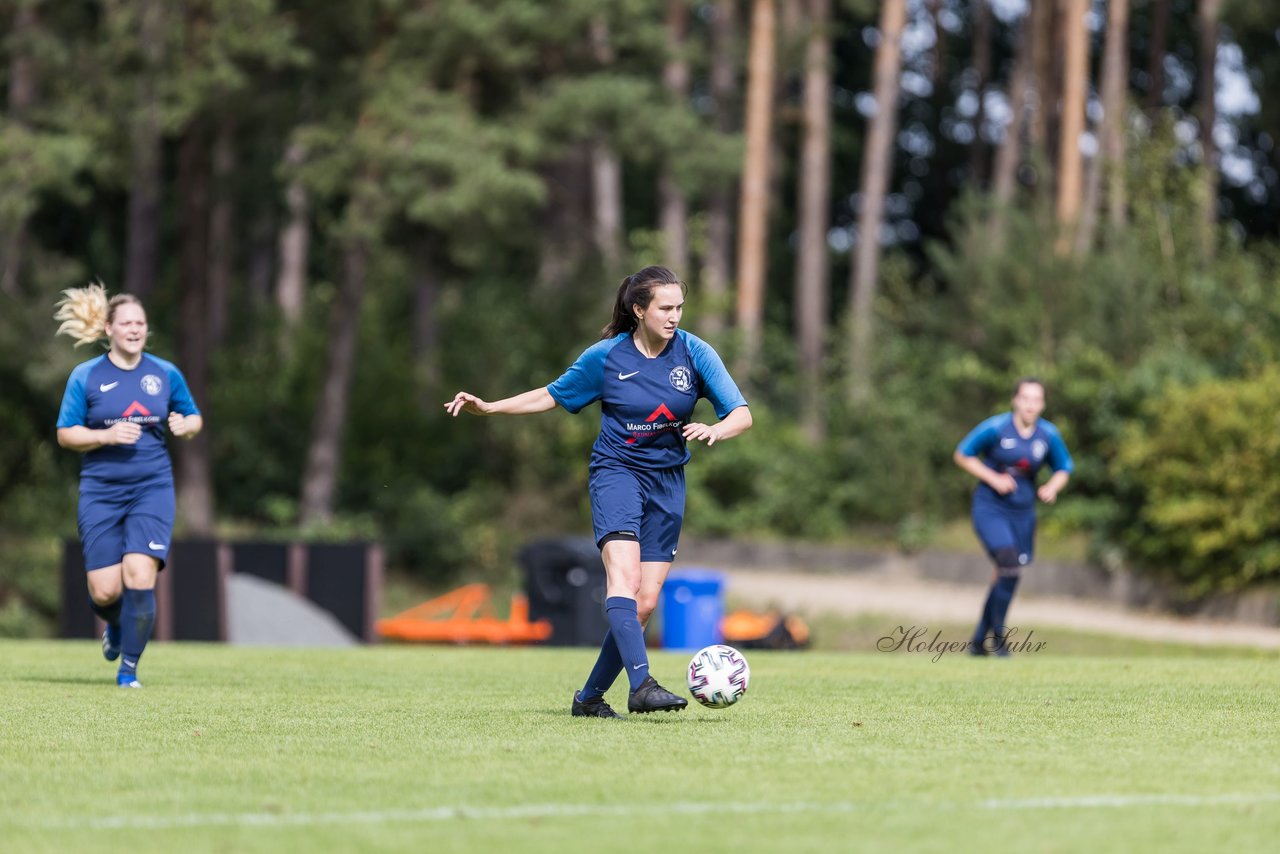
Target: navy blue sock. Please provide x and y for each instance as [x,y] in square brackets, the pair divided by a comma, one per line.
[983,631]
[608,666]
[624,625]
[984,622]
[110,614]
[1001,596]
[136,620]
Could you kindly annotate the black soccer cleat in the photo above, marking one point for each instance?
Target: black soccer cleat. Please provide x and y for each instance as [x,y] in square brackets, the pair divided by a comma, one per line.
[652,697]
[595,707]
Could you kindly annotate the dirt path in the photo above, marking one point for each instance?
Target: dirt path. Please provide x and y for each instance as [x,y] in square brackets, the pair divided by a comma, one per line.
[921,601]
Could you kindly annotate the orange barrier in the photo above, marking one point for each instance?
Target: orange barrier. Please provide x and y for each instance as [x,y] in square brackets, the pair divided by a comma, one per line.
[465,615]
[771,630]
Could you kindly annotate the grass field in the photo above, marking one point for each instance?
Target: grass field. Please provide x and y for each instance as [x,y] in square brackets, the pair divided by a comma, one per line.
[447,749]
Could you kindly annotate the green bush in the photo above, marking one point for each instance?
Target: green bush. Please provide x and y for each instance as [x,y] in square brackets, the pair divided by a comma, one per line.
[1198,477]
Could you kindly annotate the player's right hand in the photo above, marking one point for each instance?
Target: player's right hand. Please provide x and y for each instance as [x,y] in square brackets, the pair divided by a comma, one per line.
[123,433]
[463,402]
[1003,483]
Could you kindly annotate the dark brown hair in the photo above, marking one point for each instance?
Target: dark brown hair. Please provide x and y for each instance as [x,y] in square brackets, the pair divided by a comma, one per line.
[637,289]
[1017,387]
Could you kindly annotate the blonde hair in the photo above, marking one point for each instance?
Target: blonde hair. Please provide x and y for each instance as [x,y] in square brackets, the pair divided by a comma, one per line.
[85,312]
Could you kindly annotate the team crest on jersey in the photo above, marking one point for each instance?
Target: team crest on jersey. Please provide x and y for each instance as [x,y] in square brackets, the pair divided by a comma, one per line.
[151,384]
[681,378]
[1038,449]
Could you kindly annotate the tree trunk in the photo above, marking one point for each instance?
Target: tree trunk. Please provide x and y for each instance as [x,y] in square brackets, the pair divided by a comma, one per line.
[673,204]
[221,231]
[329,424]
[812,269]
[1157,46]
[877,164]
[717,266]
[142,257]
[426,322]
[566,218]
[1207,115]
[753,208]
[1009,154]
[789,40]
[982,69]
[606,187]
[674,221]
[291,284]
[1076,85]
[1108,163]
[940,79]
[1044,86]
[606,169]
[194,468]
[22,97]
[261,258]
[22,66]
[1115,97]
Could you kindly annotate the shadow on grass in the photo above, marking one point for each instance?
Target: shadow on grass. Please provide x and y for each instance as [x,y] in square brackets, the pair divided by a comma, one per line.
[657,718]
[68,680]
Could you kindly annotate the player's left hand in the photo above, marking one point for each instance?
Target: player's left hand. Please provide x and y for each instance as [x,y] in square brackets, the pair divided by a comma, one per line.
[708,433]
[1047,493]
[178,424]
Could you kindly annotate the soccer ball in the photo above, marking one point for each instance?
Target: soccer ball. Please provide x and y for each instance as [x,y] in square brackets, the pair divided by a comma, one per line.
[718,676]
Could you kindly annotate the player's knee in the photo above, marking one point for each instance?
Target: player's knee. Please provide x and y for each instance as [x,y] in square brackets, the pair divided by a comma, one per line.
[1009,561]
[140,571]
[105,585]
[104,594]
[645,606]
[620,552]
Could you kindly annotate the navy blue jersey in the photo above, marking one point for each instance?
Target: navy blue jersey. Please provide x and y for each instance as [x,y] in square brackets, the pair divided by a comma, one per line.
[999,444]
[100,394]
[645,403]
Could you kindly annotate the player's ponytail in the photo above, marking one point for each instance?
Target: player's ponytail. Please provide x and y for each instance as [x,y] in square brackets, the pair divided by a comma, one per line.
[636,290]
[85,312]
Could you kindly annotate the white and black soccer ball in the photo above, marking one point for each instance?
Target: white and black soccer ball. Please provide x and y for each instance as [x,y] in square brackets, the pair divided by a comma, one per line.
[718,676]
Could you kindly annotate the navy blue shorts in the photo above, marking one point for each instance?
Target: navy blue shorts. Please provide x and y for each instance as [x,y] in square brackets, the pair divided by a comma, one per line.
[647,503]
[1001,529]
[119,519]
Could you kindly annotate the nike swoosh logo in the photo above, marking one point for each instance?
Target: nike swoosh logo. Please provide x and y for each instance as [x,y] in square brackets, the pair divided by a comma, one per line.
[128,663]
[638,666]
[622,376]
[154,546]
[108,386]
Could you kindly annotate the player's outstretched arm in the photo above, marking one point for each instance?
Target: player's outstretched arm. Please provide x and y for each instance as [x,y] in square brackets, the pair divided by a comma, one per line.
[535,400]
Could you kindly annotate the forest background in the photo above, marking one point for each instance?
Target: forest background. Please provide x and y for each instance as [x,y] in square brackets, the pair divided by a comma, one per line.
[339,214]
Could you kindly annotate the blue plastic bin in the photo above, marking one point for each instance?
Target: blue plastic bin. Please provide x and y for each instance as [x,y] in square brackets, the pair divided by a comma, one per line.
[692,608]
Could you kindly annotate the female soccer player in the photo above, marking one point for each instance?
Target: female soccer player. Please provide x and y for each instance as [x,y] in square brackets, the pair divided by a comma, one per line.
[1004,453]
[115,411]
[647,375]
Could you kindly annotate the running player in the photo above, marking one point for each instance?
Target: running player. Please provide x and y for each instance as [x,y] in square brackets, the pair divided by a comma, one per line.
[647,374]
[1004,453]
[115,411]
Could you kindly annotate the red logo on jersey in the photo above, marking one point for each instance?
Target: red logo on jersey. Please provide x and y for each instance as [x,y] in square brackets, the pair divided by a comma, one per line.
[661,410]
[136,408]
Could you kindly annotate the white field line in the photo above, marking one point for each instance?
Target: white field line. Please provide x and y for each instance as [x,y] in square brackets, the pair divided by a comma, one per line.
[554,811]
